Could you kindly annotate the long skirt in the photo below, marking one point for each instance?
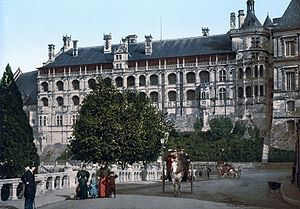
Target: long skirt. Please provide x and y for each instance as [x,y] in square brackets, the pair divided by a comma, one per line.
[103,187]
[93,189]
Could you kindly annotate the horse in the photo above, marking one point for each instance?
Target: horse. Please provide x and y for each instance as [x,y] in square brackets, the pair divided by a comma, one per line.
[177,173]
[229,170]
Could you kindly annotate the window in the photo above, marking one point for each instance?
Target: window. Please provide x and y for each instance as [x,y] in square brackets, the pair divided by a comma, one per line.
[92,83]
[241,73]
[75,84]
[255,42]
[60,101]
[60,85]
[291,106]
[256,90]
[190,77]
[45,102]
[204,77]
[261,71]
[240,92]
[248,92]
[45,87]
[45,120]
[59,120]
[153,80]
[222,94]
[41,120]
[255,71]
[222,75]
[290,48]
[119,82]
[261,90]
[190,95]
[154,96]
[248,72]
[172,96]
[172,79]
[290,126]
[290,81]
[142,80]
[130,81]
[75,100]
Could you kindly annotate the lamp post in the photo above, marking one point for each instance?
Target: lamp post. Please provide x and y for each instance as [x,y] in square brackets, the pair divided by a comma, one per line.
[163,141]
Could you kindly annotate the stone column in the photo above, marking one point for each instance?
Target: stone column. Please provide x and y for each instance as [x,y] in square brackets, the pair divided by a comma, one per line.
[13,191]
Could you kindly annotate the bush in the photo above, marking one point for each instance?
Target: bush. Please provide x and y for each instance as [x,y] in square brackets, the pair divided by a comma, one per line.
[278,155]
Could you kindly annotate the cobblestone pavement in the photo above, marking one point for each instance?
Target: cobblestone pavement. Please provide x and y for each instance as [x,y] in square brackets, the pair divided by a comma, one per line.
[248,192]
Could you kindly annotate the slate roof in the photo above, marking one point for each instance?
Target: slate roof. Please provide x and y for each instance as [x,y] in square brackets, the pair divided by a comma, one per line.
[251,21]
[216,44]
[268,22]
[291,16]
[27,84]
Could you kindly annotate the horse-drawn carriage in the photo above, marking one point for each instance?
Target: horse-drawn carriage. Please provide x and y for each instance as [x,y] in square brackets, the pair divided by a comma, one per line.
[225,169]
[177,169]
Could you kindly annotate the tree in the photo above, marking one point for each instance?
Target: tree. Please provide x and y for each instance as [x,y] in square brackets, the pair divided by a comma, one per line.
[16,138]
[117,126]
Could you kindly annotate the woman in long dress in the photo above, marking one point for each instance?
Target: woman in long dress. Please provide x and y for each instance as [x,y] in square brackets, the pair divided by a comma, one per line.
[93,189]
[83,177]
[103,174]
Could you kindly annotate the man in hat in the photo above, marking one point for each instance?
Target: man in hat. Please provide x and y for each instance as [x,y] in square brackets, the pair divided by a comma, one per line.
[28,180]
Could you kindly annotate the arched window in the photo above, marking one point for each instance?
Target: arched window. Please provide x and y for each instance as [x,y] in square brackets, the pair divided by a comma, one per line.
[172,96]
[143,94]
[107,81]
[153,80]
[241,73]
[60,101]
[142,80]
[130,81]
[256,90]
[92,83]
[75,100]
[240,92]
[119,82]
[261,90]
[222,75]
[190,95]
[204,77]
[190,77]
[255,71]
[60,85]
[248,92]
[75,84]
[45,101]
[248,72]
[45,87]
[172,78]
[154,96]
[261,71]
[222,94]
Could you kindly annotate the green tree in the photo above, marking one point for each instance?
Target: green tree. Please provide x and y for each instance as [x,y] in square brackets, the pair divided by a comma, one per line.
[117,126]
[16,138]
[220,128]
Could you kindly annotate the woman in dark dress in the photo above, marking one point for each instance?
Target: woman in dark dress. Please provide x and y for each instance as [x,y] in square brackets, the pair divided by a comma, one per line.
[83,177]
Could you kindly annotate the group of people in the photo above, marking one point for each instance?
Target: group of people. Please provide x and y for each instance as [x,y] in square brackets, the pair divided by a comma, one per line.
[102,184]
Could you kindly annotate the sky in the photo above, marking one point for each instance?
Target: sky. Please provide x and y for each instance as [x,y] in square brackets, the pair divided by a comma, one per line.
[27,27]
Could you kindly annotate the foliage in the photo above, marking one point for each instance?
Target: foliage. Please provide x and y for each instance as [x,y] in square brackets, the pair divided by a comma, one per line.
[117,126]
[278,155]
[16,138]
[211,146]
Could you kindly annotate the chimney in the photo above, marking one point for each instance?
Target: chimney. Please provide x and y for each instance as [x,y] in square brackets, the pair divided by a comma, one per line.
[148,45]
[232,21]
[241,18]
[132,39]
[107,43]
[66,40]
[250,6]
[51,48]
[75,48]
[205,31]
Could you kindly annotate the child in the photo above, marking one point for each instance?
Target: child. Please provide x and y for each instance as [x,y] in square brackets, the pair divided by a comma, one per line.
[112,184]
